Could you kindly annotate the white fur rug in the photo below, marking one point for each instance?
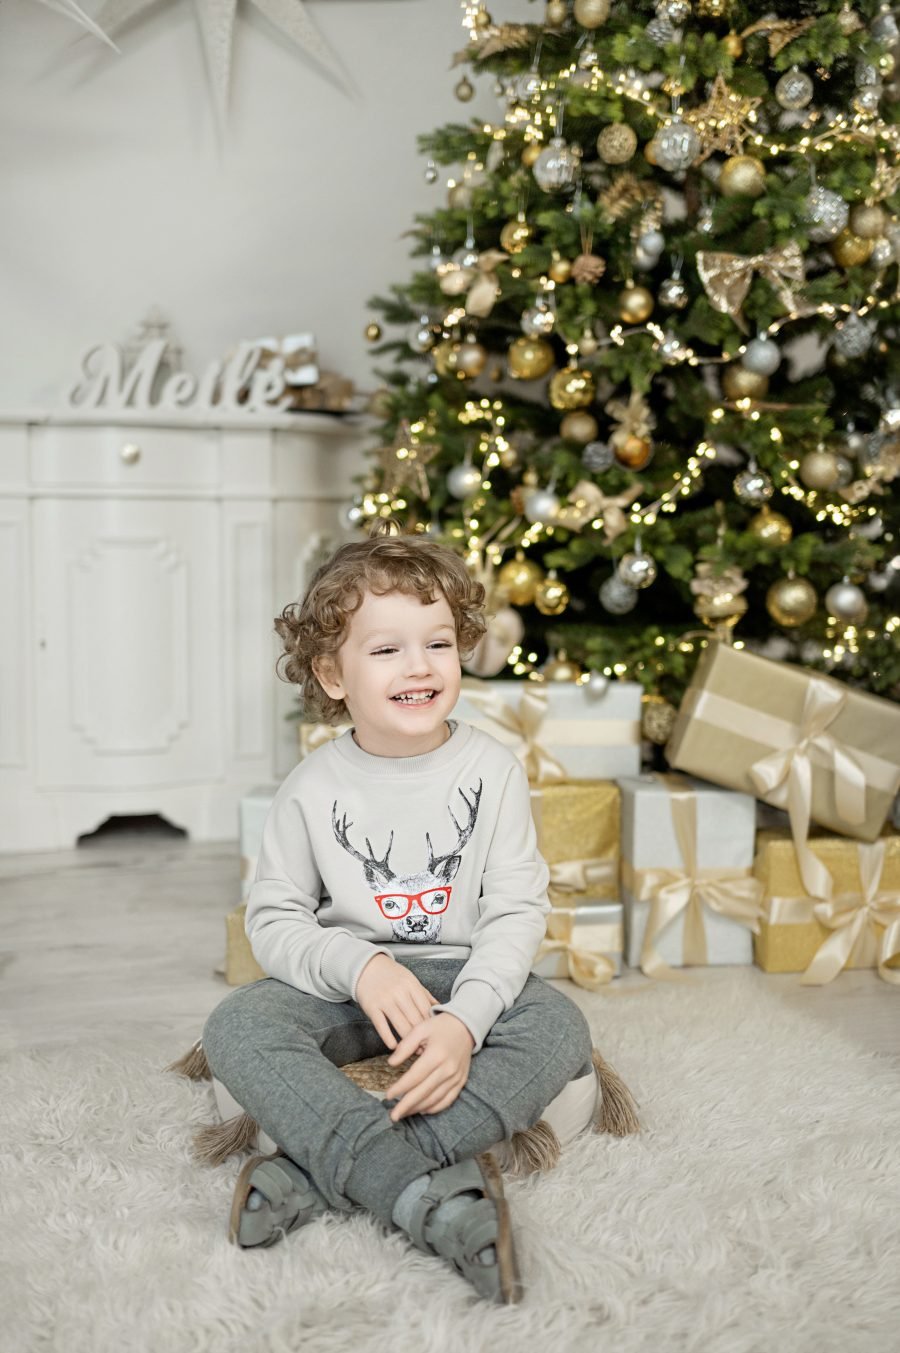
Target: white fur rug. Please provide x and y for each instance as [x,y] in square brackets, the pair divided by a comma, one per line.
[759,1210]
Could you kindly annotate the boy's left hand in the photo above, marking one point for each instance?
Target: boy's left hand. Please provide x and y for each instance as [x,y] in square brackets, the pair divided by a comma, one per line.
[440,1071]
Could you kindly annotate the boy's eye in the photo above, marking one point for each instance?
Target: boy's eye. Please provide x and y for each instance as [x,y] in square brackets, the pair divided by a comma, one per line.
[439,643]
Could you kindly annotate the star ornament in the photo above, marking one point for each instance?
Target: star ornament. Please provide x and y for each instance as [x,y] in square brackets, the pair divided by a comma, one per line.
[724,121]
[403,464]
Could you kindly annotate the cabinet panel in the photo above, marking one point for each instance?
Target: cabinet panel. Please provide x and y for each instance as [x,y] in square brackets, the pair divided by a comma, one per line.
[129,635]
[125,457]
[14,607]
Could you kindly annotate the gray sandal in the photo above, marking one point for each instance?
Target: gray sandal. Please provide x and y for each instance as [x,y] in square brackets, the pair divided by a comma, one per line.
[291,1200]
[485,1222]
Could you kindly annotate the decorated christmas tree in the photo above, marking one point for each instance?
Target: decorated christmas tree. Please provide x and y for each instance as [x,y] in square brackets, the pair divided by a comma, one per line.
[645,374]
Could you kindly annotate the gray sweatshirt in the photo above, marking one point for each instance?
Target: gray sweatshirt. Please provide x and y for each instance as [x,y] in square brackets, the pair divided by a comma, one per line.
[431,855]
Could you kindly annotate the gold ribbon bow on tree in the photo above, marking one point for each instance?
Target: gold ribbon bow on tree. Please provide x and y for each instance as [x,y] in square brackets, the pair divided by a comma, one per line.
[485,289]
[784,778]
[634,418]
[850,914]
[587,501]
[729,892]
[727,277]
[540,765]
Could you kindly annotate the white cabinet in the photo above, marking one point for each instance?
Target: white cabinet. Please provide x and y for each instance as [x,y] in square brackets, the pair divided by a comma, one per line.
[142,566]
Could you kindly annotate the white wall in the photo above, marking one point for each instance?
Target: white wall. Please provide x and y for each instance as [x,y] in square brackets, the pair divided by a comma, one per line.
[116,194]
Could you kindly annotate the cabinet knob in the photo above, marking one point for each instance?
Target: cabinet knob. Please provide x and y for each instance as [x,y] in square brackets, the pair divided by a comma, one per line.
[130,453]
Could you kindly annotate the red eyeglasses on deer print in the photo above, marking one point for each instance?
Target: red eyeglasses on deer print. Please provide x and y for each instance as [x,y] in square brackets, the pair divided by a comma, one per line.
[413,903]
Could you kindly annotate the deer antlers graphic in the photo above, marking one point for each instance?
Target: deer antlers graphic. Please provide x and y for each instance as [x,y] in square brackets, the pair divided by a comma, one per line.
[462,833]
[370,862]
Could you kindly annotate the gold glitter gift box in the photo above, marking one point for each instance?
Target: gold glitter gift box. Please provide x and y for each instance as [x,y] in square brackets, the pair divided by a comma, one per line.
[240,965]
[859,927]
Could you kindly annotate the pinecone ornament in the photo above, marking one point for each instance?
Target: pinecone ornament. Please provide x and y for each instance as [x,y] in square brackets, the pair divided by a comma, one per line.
[588,268]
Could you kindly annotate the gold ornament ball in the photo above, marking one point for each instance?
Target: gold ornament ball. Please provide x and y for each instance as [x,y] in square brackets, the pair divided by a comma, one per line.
[471,359]
[456,282]
[373,332]
[529,358]
[733,44]
[464,90]
[886,63]
[650,153]
[519,580]
[515,235]
[634,452]
[444,356]
[560,269]
[551,596]
[791,602]
[587,343]
[820,469]
[770,527]
[571,388]
[556,13]
[482,19]
[561,668]
[868,220]
[657,719]
[591,13]
[722,608]
[459,197]
[739,383]
[742,176]
[635,305]
[579,427]
[617,143]
[850,250]
[381,403]
[531,152]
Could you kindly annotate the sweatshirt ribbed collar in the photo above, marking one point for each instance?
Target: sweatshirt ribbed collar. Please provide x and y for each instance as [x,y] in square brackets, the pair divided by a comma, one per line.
[392,766]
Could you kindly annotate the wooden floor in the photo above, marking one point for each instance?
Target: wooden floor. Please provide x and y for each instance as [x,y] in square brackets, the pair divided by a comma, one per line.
[126,934]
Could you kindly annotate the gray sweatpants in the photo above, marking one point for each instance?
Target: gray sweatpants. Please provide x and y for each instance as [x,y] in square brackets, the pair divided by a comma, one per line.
[277,1050]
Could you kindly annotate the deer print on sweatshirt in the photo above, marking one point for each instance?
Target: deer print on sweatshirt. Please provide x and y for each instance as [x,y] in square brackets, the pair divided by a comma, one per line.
[413,903]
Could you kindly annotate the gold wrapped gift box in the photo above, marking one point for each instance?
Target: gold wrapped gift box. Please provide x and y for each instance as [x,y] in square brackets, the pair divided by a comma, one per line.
[240,965]
[793,933]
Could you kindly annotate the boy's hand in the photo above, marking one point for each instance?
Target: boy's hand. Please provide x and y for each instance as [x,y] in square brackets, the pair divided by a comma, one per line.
[441,1069]
[390,995]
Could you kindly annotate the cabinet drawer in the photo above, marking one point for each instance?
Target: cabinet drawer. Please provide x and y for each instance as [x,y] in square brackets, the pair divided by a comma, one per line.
[125,457]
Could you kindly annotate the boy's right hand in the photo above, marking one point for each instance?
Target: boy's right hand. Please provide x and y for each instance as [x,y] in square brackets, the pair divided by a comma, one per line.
[392,998]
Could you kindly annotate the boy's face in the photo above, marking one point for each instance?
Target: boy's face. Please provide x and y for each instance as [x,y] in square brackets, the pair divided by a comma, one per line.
[397,647]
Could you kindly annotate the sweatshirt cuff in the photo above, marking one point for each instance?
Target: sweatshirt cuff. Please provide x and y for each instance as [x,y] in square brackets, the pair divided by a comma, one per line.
[343,960]
[477,1005]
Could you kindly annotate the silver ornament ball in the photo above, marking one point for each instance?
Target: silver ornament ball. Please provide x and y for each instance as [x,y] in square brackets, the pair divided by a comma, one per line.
[463,480]
[671,349]
[644,260]
[676,10]
[676,146]
[827,214]
[597,456]
[673,293]
[753,487]
[794,90]
[617,597]
[882,254]
[637,569]
[852,336]
[762,356]
[661,30]
[420,336]
[847,602]
[431,172]
[541,505]
[537,321]
[556,167]
[597,685]
[353,516]
[844,469]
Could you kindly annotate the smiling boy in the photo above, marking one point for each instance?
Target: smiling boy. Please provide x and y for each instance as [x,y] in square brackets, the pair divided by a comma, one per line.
[399,901]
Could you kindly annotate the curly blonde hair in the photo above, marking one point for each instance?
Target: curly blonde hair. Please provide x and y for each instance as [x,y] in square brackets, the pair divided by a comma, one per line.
[385,562]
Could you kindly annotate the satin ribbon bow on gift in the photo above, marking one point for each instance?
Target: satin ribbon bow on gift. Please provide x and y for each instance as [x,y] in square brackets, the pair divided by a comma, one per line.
[540,765]
[587,947]
[586,502]
[731,893]
[486,287]
[849,915]
[727,277]
[583,876]
[587,968]
[784,778]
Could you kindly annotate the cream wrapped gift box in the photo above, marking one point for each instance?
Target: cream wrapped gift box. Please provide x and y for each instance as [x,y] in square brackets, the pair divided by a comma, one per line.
[559,729]
[252,812]
[687,857]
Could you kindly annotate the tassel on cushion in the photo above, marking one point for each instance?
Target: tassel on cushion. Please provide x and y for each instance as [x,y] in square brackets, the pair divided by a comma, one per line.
[193,1064]
[537,1148]
[215,1142]
[618,1111]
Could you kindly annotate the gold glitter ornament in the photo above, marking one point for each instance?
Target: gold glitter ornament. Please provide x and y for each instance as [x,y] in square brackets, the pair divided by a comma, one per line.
[528,359]
[635,305]
[733,44]
[519,579]
[551,596]
[444,356]
[850,250]
[868,220]
[515,235]
[591,13]
[791,602]
[373,332]
[530,153]
[820,469]
[657,719]
[560,269]
[571,388]
[770,527]
[617,143]
[579,426]
[739,383]
[556,13]
[561,668]
[742,176]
